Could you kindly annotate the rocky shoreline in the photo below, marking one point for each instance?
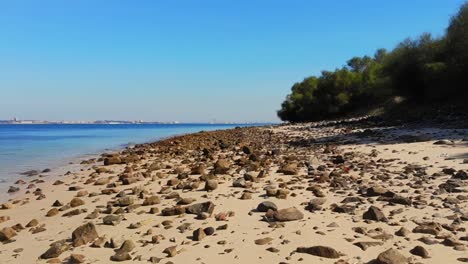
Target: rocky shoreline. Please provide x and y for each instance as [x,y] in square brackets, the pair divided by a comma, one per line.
[343,192]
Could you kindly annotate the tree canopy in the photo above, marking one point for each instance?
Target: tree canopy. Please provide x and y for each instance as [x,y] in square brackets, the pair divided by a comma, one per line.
[423,70]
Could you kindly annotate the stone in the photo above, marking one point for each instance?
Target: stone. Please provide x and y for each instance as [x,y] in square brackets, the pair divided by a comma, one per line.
[52,212]
[121,257]
[391,256]
[6,234]
[431,228]
[55,250]
[246,196]
[420,251]
[75,202]
[206,207]
[211,185]
[315,204]
[367,244]
[263,241]
[374,213]
[170,211]
[4,218]
[376,191]
[320,251]
[112,219]
[289,169]
[152,200]
[403,232]
[126,247]
[198,234]
[126,201]
[84,234]
[13,189]
[170,251]
[288,214]
[209,231]
[112,160]
[239,183]
[221,166]
[77,258]
[265,206]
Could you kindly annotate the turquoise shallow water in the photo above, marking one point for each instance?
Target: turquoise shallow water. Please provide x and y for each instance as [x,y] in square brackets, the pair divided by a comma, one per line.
[35,147]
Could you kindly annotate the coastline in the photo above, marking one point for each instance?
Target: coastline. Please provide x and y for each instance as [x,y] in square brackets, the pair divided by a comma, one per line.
[59,166]
[289,139]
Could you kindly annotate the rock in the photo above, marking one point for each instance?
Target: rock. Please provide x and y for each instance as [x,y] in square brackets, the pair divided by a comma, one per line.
[462,175]
[170,211]
[265,206]
[152,200]
[84,234]
[126,201]
[206,207]
[420,251]
[246,196]
[112,160]
[112,219]
[391,256]
[77,258]
[431,228]
[239,183]
[366,245]
[289,169]
[273,250]
[121,257]
[102,181]
[374,213]
[55,250]
[6,234]
[221,166]
[263,241]
[315,204]
[211,185]
[209,231]
[198,234]
[13,189]
[186,200]
[403,232]
[288,214]
[75,202]
[400,200]
[170,251]
[126,247]
[376,191]
[320,251]
[4,218]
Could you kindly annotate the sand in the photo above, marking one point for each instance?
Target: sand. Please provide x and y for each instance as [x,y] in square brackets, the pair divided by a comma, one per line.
[378,160]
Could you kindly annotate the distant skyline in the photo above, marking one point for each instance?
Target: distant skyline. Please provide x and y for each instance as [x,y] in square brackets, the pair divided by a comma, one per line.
[190,61]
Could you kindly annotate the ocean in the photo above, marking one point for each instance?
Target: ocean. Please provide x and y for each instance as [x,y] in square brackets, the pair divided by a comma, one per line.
[36,147]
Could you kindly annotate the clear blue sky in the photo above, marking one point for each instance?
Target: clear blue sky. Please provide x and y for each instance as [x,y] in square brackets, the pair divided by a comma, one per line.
[192,60]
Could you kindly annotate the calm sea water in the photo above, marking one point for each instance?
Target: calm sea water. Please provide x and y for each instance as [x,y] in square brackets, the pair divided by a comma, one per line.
[36,147]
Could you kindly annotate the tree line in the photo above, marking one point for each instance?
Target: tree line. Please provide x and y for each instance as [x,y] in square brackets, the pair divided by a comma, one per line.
[424,70]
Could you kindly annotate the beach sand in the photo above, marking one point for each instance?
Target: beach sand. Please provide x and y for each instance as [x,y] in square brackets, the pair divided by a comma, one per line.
[415,178]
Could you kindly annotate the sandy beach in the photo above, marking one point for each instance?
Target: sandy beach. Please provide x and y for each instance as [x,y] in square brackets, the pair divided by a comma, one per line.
[308,193]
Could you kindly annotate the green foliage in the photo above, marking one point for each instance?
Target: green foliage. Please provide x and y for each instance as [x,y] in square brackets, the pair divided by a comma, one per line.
[424,70]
